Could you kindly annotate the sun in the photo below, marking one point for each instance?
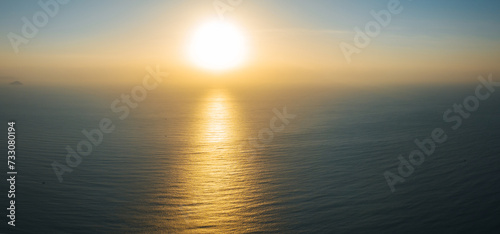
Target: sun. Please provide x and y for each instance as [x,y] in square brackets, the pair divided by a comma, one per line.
[217,45]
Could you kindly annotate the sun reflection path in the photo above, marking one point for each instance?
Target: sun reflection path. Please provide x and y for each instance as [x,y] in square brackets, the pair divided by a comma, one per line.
[218,123]
[219,188]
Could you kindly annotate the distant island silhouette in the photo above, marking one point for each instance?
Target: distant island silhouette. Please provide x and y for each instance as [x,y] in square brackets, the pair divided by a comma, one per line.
[16,83]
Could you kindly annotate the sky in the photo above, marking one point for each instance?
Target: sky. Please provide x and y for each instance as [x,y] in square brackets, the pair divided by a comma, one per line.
[114,40]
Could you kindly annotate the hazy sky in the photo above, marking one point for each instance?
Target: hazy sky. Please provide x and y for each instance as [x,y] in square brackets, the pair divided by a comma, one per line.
[302,37]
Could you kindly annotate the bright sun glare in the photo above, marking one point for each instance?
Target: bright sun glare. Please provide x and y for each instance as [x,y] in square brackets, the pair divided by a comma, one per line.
[217,45]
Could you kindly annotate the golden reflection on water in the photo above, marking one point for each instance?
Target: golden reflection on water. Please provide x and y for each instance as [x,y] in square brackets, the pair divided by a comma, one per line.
[218,189]
[218,123]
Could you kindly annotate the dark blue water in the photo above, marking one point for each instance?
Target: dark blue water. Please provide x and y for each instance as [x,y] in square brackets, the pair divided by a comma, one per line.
[181,162]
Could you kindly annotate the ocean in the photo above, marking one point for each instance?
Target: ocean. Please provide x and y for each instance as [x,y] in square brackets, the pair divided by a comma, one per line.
[288,159]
